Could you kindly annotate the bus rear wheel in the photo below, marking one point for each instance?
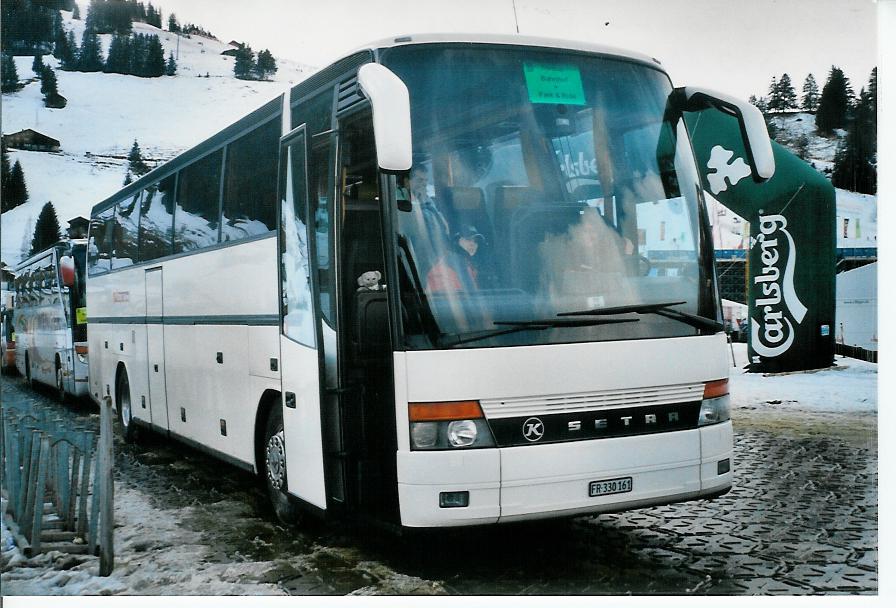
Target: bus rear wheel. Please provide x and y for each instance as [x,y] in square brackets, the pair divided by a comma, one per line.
[123,405]
[274,461]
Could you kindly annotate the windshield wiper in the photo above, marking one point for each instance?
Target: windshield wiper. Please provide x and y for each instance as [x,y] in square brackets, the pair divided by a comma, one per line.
[536,324]
[659,308]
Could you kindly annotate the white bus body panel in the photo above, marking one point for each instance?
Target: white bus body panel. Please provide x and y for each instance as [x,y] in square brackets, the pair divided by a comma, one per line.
[550,480]
[219,301]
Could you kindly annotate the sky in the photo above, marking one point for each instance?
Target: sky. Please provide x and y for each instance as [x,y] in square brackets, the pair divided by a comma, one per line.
[734,46]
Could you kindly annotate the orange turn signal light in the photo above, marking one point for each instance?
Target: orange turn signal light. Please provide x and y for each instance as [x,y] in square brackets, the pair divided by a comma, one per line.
[716,388]
[444,410]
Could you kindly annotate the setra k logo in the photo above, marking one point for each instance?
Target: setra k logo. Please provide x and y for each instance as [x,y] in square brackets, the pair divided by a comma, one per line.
[733,172]
[533,429]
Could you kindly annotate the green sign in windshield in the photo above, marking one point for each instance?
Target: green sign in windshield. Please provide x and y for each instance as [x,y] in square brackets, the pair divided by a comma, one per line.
[554,84]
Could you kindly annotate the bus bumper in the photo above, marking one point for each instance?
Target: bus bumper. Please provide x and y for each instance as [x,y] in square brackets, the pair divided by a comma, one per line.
[547,481]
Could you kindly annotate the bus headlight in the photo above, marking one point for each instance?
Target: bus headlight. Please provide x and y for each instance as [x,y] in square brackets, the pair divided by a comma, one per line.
[462,433]
[448,425]
[716,404]
[424,434]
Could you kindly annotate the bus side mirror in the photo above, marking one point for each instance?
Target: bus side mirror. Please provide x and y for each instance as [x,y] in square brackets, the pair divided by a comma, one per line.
[67,270]
[757,143]
[390,102]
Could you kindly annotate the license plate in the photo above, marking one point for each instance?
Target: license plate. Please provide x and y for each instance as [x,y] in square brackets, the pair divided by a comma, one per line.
[603,487]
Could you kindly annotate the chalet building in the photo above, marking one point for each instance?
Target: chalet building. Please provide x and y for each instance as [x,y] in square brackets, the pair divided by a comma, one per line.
[29,139]
[77,227]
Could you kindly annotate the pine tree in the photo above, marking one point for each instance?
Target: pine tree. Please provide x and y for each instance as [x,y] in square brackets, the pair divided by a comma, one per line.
[833,105]
[16,190]
[48,84]
[76,12]
[37,66]
[68,56]
[46,230]
[244,66]
[4,172]
[171,65]
[4,179]
[786,93]
[774,97]
[128,178]
[855,163]
[872,91]
[136,165]
[266,66]
[90,57]
[173,25]
[10,78]
[155,57]
[119,59]
[810,94]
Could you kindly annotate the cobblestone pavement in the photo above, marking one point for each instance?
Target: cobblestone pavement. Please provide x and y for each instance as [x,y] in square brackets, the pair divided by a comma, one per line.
[801,519]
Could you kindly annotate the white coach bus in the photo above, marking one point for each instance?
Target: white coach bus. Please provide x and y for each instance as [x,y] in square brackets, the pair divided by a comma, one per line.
[50,318]
[442,282]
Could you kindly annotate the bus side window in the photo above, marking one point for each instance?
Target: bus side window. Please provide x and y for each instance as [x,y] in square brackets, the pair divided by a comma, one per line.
[320,186]
[250,184]
[126,223]
[100,242]
[298,305]
[198,195]
[156,218]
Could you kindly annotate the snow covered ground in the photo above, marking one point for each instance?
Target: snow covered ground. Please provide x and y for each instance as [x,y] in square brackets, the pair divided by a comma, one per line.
[848,387]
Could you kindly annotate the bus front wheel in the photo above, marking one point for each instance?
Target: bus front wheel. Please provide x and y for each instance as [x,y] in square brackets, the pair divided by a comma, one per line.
[275,469]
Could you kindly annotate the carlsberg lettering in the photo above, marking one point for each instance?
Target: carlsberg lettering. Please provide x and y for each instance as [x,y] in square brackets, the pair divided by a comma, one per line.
[776,300]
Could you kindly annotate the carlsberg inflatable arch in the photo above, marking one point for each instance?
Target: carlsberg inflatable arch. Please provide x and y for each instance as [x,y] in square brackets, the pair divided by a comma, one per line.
[792,257]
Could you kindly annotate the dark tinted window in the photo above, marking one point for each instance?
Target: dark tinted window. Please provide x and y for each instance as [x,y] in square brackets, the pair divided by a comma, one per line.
[126,222]
[250,183]
[99,244]
[198,193]
[156,220]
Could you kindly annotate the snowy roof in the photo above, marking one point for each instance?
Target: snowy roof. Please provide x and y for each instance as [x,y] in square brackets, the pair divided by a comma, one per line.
[508,39]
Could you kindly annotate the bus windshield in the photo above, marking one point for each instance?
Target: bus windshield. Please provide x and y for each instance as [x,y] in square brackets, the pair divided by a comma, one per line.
[545,182]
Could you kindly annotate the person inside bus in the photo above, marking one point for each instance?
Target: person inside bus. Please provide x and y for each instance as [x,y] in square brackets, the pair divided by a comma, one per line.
[418,189]
[457,269]
[421,220]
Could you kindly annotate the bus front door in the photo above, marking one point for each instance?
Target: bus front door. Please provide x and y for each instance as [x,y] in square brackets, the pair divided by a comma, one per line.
[299,341]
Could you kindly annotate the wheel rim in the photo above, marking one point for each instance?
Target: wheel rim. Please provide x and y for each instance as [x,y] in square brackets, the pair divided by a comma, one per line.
[275,460]
[125,399]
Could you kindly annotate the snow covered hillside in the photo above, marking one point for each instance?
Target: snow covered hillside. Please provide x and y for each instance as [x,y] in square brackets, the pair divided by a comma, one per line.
[107,112]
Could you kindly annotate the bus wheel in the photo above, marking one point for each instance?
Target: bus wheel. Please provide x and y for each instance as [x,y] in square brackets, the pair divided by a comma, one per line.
[60,382]
[29,381]
[123,403]
[275,469]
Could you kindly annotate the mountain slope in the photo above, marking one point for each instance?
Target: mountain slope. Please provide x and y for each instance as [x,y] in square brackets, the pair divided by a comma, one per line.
[107,112]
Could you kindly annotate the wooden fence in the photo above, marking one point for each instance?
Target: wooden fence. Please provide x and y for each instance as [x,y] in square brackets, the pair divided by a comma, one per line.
[58,483]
